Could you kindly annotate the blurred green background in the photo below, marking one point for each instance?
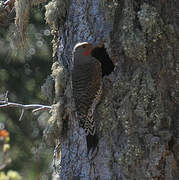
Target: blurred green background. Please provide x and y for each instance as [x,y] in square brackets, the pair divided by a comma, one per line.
[23,78]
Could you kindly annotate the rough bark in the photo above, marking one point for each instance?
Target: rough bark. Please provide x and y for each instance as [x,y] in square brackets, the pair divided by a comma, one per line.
[138,115]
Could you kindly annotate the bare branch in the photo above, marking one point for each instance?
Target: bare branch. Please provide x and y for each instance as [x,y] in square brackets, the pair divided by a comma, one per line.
[36,107]
[28,106]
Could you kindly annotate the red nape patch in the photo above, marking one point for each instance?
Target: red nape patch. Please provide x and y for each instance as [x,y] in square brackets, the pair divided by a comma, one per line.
[86,53]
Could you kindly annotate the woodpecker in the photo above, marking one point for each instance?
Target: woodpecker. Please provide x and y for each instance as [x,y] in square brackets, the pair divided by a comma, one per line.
[86,89]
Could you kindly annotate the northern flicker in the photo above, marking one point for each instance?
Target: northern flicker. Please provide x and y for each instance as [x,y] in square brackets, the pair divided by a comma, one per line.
[86,89]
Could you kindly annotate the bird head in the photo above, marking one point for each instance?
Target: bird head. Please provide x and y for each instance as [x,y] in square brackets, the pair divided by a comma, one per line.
[82,49]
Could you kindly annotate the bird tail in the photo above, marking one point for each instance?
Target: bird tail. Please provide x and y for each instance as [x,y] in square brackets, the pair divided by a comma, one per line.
[91,137]
[92,141]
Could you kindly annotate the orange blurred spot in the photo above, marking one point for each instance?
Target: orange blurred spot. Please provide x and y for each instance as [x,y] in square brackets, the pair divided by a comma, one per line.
[4,133]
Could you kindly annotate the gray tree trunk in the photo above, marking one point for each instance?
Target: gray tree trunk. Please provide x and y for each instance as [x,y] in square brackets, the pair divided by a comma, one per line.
[138,115]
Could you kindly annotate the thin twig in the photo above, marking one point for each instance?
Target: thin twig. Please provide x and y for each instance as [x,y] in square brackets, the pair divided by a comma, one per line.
[2,166]
[6,95]
[5,161]
[43,108]
[22,113]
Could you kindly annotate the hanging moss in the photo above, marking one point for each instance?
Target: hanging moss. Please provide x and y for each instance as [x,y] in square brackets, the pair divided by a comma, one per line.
[55,15]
